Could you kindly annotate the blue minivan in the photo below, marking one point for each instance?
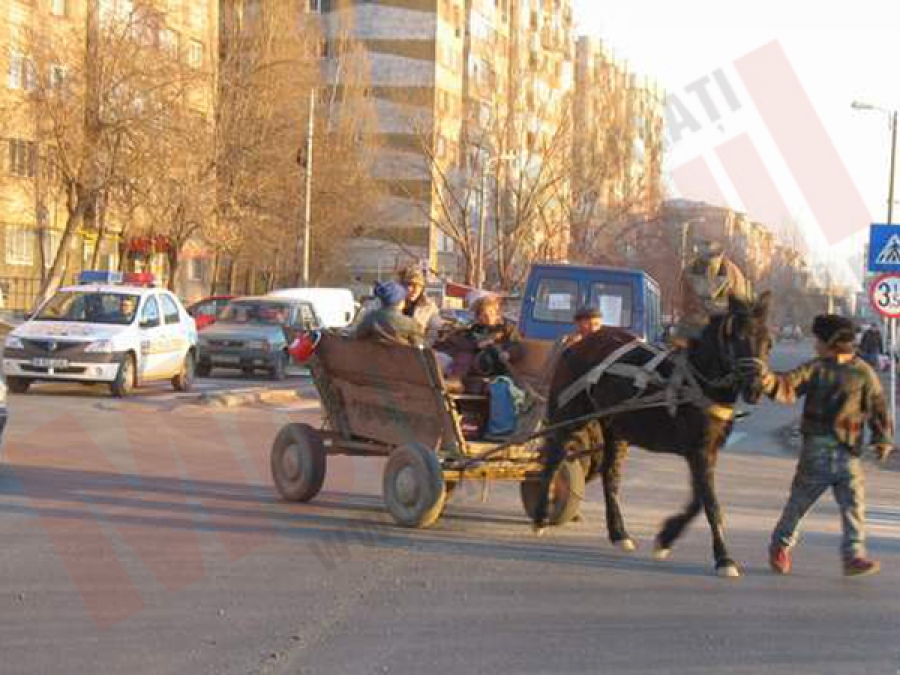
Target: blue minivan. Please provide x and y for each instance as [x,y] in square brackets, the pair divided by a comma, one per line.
[627,299]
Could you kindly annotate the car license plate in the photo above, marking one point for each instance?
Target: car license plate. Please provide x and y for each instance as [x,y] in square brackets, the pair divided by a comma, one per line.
[50,363]
[227,359]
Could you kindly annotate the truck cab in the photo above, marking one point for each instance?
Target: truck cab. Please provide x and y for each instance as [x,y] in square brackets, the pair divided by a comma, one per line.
[626,298]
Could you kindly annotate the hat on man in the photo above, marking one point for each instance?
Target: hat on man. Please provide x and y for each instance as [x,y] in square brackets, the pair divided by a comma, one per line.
[411,275]
[390,293]
[708,248]
[833,329]
[586,312]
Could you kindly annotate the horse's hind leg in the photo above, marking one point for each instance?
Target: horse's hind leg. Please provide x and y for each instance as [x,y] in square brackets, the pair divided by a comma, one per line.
[614,454]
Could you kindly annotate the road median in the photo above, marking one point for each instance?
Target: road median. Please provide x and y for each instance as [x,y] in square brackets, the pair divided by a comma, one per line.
[230,398]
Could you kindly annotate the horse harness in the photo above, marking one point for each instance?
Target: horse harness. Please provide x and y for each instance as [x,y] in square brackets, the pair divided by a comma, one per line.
[680,388]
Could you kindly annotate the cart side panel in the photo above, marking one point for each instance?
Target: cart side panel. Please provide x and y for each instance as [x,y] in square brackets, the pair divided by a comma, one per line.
[384,392]
[391,415]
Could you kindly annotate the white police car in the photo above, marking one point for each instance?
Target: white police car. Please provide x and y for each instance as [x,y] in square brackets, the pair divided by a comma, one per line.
[124,334]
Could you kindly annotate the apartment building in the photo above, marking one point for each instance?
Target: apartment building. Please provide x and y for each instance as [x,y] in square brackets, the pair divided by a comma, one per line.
[466,91]
[618,146]
[44,50]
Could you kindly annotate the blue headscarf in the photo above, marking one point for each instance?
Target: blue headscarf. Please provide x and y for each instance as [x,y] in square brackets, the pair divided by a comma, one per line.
[390,293]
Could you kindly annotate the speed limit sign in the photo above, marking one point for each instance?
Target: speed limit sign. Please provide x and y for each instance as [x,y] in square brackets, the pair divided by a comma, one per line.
[885,295]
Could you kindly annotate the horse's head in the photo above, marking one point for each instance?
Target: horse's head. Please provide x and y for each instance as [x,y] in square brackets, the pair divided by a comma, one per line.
[741,342]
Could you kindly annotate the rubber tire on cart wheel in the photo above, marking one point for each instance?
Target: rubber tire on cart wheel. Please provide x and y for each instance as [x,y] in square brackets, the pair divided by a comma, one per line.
[279,370]
[413,486]
[203,369]
[565,496]
[124,382]
[299,462]
[184,381]
[18,385]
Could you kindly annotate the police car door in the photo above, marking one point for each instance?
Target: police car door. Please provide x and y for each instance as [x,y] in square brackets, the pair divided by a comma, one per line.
[176,336]
[152,340]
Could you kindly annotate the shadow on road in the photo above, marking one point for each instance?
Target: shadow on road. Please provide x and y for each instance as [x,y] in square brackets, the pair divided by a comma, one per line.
[163,510]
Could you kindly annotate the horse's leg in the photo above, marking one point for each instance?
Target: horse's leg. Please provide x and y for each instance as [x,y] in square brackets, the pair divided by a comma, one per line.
[703,471]
[614,454]
[673,528]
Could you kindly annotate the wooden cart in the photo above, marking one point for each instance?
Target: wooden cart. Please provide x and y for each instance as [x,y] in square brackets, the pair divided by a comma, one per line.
[391,401]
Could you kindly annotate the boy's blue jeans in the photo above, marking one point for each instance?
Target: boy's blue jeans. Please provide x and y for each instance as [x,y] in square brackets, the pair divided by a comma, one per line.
[826,463]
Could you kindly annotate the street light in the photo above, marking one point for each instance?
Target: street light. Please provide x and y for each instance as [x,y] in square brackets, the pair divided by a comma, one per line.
[892,115]
[479,264]
[305,160]
[892,323]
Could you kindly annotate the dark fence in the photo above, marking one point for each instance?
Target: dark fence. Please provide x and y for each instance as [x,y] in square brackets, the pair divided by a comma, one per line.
[19,293]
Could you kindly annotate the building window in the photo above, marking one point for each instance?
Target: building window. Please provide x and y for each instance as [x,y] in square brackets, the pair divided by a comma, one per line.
[57,77]
[50,245]
[19,245]
[22,157]
[59,7]
[194,269]
[168,41]
[196,13]
[195,54]
[20,73]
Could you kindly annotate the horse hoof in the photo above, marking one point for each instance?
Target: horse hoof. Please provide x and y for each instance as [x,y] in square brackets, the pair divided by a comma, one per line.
[539,530]
[626,545]
[661,553]
[728,571]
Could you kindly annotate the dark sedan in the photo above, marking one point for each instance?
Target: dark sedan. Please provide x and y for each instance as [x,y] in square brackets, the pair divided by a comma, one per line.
[254,334]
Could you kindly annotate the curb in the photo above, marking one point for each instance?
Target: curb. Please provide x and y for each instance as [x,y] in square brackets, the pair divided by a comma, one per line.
[231,398]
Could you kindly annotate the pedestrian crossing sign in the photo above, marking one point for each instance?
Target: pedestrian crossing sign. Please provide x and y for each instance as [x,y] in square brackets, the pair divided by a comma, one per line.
[884,248]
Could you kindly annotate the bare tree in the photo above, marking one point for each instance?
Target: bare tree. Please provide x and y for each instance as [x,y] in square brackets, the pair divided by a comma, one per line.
[94,91]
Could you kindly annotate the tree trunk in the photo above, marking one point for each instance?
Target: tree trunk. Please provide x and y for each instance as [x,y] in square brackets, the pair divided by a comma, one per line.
[172,255]
[233,277]
[214,275]
[57,270]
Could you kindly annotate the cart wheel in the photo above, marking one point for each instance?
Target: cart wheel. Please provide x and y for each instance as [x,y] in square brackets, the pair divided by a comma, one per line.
[413,485]
[298,462]
[566,493]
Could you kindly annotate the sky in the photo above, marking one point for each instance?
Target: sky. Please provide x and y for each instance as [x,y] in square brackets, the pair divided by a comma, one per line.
[840,52]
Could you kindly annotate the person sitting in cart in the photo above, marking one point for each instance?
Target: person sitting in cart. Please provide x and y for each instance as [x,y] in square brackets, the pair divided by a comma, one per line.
[388,323]
[487,347]
[418,305]
[482,354]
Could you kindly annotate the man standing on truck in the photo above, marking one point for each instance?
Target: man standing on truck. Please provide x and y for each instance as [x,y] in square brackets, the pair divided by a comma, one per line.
[706,283]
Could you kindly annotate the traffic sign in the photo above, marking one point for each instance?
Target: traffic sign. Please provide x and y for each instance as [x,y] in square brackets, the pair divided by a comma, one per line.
[884,248]
[884,293]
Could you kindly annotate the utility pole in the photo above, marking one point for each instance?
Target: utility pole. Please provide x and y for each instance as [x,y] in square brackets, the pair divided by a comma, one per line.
[893,168]
[479,264]
[308,166]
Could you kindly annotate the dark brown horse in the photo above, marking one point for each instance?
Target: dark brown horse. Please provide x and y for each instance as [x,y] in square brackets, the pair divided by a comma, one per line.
[695,390]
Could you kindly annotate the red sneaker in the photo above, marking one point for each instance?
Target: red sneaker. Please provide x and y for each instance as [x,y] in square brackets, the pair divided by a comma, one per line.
[860,567]
[779,559]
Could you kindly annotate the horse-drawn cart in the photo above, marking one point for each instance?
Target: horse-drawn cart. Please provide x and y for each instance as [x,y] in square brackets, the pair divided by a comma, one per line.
[391,401]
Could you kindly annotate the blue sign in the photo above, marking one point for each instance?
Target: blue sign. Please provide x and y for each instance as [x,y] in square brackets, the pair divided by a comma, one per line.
[884,248]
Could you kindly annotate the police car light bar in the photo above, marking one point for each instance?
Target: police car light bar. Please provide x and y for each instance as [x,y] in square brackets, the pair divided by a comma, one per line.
[140,279]
[99,277]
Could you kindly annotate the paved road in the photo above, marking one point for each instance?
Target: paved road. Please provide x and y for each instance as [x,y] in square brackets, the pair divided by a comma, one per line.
[138,539]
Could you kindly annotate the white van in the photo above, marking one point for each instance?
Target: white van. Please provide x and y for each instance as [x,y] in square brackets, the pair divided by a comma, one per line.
[334,306]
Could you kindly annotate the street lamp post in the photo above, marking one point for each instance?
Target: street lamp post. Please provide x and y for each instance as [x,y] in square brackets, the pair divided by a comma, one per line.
[307,164]
[892,323]
[479,260]
[892,115]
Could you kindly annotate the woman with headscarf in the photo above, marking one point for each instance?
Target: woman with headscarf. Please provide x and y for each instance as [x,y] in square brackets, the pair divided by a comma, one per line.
[418,305]
[487,347]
